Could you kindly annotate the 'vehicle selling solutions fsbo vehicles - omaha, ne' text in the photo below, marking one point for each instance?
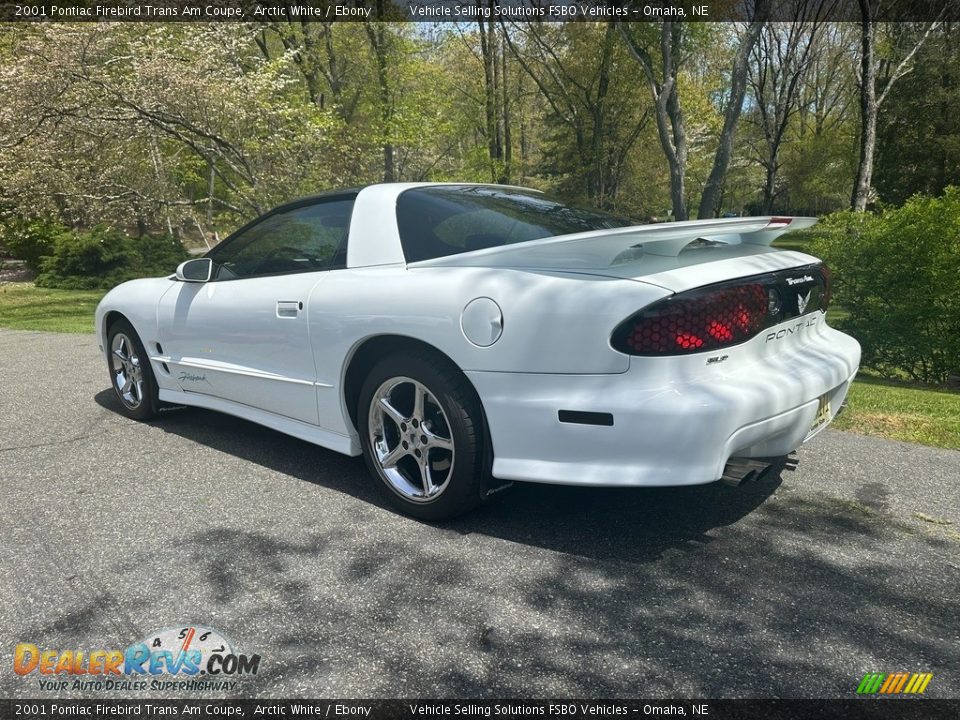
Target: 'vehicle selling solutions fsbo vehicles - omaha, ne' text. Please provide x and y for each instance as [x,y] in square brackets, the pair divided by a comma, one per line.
[464,336]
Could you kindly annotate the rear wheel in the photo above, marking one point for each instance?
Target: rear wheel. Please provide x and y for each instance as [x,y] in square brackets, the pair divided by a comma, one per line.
[131,376]
[422,433]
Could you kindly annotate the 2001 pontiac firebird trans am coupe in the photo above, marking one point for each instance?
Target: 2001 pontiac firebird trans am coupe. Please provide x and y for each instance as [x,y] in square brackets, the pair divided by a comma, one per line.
[454,334]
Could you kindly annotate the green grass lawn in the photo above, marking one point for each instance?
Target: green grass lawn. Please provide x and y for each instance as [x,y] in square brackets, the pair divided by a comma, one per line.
[903,412]
[876,407]
[26,307]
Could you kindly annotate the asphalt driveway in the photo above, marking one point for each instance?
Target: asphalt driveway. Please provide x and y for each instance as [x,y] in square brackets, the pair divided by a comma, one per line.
[794,587]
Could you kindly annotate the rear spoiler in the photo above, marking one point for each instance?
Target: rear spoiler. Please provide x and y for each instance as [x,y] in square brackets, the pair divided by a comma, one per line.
[602,247]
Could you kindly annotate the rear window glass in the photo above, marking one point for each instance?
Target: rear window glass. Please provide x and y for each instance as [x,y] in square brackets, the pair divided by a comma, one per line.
[451,219]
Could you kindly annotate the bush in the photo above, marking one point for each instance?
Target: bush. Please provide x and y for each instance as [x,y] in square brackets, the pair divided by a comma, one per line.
[30,240]
[102,258]
[898,275]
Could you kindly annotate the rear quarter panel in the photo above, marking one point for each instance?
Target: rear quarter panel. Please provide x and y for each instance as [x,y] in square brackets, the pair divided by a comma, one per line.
[552,322]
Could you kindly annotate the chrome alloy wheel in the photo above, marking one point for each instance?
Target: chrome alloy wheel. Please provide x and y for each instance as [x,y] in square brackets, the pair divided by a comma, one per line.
[126,370]
[411,439]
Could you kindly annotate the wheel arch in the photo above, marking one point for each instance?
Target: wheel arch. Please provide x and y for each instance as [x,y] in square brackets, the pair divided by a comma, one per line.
[109,318]
[370,350]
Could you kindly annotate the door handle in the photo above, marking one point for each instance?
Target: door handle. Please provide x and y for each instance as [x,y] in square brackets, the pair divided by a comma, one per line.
[288,308]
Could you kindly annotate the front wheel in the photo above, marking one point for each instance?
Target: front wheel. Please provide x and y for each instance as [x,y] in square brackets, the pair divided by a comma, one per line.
[130,374]
[422,433]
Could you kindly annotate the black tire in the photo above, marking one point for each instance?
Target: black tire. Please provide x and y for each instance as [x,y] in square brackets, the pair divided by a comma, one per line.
[142,401]
[461,423]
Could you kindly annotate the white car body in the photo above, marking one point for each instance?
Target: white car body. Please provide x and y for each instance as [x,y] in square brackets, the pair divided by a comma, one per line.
[529,325]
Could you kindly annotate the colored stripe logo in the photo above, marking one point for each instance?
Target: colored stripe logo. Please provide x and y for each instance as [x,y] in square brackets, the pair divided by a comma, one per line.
[894,683]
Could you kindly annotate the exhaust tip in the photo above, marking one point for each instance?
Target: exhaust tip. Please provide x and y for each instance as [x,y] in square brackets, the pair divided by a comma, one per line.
[734,480]
[739,472]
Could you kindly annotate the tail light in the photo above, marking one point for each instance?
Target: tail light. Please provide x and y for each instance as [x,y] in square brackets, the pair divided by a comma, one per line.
[718,316]
[827,293]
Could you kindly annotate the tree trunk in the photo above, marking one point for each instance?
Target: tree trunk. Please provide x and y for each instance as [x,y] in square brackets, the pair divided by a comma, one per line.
[870,102]
[497,80]
[709,201]
[505,102]
[597,175]
[211,189]
[487,52]
[868,113]
[669,45]
[668,114]
[677,190]
[377,34]
[389,171]
[770,184]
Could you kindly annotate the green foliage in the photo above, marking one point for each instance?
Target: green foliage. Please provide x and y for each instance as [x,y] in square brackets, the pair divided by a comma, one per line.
[29,240]
[592,127]
[898,275]
[818,171]
[918,138]
[102,258]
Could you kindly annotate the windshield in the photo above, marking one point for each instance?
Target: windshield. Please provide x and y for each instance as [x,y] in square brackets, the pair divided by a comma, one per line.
[450,219]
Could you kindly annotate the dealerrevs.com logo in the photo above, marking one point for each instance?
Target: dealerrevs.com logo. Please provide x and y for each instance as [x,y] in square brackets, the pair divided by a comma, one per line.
[186,658]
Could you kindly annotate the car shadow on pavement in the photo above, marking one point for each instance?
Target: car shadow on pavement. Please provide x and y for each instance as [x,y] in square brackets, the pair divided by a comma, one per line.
[639,523]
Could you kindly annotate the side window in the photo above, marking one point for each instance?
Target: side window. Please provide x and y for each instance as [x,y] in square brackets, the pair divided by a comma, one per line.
[305,239]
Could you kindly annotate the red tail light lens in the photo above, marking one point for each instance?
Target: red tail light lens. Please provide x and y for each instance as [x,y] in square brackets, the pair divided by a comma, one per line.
[700,320]
[718,316]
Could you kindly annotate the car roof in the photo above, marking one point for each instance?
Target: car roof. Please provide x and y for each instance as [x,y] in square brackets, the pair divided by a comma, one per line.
[353,191]
[309,199]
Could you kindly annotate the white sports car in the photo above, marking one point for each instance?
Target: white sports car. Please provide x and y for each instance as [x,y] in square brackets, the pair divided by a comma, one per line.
[464,336]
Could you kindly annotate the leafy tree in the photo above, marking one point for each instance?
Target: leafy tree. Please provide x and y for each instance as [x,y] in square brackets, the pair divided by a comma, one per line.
[662,68]
[898,275]
[780,61]
[880,68]
[190,129]
[157,125]
[663,82]
[817,159]
[594,113]
[710,199]
[918,135]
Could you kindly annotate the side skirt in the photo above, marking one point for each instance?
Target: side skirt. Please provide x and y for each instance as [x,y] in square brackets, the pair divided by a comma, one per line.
[346,444]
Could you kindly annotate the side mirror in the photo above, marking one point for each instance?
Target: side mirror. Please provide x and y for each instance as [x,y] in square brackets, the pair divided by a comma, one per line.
[196,270]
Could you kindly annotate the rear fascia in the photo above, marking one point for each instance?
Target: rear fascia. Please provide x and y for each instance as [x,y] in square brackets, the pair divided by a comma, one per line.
[676,420]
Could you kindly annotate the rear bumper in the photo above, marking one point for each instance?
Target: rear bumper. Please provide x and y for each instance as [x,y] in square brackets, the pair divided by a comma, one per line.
[676,421]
